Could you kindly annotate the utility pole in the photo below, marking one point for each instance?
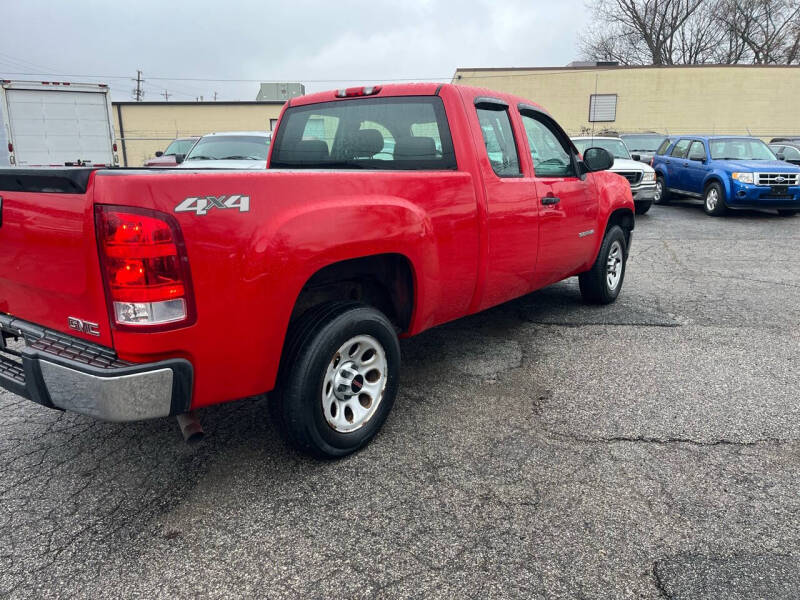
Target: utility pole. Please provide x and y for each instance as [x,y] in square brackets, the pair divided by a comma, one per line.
[166,95]
[138,92]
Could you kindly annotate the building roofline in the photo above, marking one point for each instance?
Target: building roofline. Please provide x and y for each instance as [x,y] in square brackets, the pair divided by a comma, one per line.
[619,67]
[204,103]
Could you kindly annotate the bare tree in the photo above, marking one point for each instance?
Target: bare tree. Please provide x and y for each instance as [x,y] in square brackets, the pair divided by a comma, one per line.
[768,29]
[638,31]
[667,32]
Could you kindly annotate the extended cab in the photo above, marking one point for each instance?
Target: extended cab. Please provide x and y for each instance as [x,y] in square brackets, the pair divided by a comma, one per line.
[726,172]
[134,294]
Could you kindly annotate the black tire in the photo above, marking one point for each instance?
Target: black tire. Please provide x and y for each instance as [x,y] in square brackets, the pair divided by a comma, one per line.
[642,207]
[662,196]
[787,213]
[312,344]
[715,208]
[594,283]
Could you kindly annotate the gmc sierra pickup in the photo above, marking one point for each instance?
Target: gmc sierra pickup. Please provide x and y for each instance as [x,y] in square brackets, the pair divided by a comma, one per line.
[131,294]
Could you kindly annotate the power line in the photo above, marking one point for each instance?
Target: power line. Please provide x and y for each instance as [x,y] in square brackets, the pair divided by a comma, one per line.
[510,73]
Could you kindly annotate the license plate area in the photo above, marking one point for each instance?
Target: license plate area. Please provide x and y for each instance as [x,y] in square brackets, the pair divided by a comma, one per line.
[779,191]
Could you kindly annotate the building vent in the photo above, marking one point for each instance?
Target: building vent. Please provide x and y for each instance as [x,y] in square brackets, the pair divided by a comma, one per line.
[602,108]
[280,91]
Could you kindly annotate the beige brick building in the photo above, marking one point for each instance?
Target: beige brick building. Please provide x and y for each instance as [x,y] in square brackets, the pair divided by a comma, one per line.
[738,99]
[142,128]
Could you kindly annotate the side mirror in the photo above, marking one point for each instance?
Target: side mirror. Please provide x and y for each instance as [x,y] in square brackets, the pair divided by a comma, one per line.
[179,158]
[636,157]
[159,154]
[597,159]
[781,156]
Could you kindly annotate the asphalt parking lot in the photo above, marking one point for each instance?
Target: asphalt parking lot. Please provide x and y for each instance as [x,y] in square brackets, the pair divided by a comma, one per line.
[650,449]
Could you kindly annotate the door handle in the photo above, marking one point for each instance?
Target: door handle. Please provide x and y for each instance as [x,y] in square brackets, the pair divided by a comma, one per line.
[550,200]
[686,164]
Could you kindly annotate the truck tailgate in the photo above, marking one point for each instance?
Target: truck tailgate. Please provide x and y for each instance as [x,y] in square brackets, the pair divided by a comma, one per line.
[49,266]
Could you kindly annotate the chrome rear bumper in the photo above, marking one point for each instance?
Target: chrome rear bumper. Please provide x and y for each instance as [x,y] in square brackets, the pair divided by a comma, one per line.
[67,373]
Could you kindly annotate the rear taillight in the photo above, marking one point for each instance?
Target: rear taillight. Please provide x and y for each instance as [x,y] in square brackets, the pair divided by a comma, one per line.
[145,268]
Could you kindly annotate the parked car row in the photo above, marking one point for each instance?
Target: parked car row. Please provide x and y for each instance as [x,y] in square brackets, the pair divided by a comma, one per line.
[723,172]
[727,172]
[221,150]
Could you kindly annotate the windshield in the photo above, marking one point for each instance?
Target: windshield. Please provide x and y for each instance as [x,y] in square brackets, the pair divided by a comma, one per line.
[740,149]
[179,147]
[614,146]
[642,142]
[230,147]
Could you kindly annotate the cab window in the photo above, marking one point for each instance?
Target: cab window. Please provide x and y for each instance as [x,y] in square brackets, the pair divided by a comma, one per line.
[498,138]
[697,151]
[550,157]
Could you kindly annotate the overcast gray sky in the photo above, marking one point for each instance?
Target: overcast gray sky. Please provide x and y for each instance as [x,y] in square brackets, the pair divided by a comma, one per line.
[339,41]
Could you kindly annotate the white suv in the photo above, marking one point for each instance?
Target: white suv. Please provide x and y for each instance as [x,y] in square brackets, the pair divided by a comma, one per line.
[640,176]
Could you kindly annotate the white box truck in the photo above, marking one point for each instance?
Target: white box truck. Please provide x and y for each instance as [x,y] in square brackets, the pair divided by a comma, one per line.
[48,123]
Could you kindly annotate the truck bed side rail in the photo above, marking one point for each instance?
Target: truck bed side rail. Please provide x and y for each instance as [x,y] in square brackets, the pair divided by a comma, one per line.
[52,180]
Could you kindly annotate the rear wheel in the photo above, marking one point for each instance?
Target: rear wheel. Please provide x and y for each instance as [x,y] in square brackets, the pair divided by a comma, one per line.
[642,207]
[787,213]
[602,283]
[661,195]
[714,200]
[339,378]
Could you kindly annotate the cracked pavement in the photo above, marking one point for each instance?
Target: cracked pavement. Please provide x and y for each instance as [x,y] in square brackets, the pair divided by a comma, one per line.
[542,449]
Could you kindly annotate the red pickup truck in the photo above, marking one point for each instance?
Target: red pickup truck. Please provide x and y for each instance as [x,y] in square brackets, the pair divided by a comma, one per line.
[131,294]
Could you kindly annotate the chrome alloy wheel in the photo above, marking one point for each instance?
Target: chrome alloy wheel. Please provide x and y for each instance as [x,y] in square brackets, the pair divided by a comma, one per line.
[659,191]
[354,383]
[712,199]
[614,266]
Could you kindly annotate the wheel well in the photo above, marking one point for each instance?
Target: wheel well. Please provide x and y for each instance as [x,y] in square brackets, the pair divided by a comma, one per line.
[624,218]
[711,180]
[384,281]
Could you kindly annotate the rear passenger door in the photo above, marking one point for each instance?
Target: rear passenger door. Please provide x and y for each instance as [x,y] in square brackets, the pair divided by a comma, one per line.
[678,161]
[696,168]
[512,210]
[568,227]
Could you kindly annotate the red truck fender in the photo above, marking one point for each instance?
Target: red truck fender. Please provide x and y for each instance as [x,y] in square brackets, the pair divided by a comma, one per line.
[292,249]
[615,206]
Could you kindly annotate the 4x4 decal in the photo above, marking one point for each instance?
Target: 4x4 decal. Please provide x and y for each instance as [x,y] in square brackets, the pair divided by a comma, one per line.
[202,204]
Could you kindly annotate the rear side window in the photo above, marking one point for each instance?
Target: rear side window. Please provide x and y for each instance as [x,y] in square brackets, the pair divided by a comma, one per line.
[499,141]
[663,147]
[400,133]
[681,149]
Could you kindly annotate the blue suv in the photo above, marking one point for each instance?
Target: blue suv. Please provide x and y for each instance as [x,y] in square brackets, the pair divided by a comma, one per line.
[726,172]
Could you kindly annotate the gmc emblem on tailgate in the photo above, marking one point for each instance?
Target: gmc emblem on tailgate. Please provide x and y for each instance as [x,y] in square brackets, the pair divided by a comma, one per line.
[83,326]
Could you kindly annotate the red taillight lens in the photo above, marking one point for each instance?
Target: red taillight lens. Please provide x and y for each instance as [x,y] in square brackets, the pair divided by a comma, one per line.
[10,147]
[145,268]
[114,146]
